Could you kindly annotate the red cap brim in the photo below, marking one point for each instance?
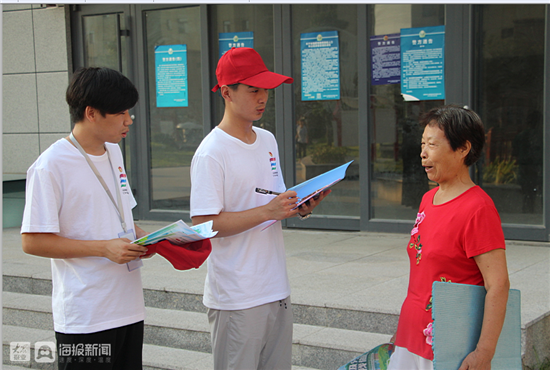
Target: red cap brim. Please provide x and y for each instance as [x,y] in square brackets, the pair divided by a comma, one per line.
[263,80]
[267,80]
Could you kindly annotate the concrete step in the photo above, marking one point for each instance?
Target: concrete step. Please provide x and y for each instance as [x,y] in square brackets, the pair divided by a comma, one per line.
[313,346]
[316,347]
[22,334]
[154,357]
[157,357]
[349,319]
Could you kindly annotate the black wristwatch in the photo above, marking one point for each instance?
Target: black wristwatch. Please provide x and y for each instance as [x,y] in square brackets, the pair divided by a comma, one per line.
[304,217]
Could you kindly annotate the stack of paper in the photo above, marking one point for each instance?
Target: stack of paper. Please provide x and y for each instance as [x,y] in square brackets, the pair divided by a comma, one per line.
[179,233]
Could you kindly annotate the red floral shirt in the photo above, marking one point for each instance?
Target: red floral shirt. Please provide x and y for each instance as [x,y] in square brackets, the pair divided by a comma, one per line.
[443,241]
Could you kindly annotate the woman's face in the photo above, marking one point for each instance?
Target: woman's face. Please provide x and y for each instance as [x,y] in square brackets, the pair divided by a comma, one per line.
[441,163]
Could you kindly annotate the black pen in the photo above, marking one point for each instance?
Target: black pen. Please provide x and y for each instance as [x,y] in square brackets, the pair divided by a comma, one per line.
[263,191]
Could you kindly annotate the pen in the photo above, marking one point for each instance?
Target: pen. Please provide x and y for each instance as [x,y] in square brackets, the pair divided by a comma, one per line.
[263,191]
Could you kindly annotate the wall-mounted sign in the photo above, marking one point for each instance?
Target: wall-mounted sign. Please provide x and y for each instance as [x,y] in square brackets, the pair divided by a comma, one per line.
[422,63]
[320,66]
[171,76]
[386,59]
[235,40]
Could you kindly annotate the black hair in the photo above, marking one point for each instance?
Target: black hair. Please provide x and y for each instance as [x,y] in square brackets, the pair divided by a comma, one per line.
[104,89]
[459,125]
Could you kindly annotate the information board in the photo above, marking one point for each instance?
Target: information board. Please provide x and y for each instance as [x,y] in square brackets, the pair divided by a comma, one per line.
[320,54]
[171,76]
[386,59]
[235,40]
[422,63]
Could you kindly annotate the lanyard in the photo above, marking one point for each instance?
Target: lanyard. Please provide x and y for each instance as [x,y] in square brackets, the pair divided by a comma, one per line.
[100,178]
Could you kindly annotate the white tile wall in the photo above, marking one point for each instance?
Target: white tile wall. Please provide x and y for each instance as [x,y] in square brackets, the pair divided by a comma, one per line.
[53,111]
[18,43]
[19,104]
[35,76]
[19,151]
[50,39]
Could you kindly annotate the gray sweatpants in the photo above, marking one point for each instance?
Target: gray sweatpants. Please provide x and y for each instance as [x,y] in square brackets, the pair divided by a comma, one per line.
[258,338]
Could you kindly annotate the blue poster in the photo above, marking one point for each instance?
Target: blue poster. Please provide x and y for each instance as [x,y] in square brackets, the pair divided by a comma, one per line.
[320,66]
[235,40]
[422,63]
[171,76]
[386,59]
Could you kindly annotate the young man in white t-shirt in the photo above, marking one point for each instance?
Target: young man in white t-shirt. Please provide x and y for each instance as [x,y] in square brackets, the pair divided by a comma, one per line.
[78,212]
[247,289]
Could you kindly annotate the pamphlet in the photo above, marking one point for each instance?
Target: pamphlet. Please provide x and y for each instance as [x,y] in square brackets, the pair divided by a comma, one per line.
[179,233]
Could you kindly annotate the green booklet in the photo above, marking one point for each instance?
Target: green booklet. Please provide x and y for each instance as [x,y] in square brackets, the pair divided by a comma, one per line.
[179,233]
[377,358]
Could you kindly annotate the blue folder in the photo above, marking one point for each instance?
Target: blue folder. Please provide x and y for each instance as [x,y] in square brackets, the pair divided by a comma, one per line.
[457,311]
[310,188]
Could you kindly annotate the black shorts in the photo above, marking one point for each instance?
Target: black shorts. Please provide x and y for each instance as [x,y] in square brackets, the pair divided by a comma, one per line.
[112,349]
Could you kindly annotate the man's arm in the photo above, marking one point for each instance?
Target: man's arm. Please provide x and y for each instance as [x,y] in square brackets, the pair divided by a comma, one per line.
[232,223]
[55,246]
[495,274]
[140,232]
[280,207]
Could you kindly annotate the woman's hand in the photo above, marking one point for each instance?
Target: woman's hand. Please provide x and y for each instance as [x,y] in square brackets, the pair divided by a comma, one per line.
[495,275]
[477,360]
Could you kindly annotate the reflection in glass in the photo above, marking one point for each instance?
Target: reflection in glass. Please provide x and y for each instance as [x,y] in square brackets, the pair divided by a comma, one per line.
[245,18]
[105,46]
[175,133]
[398,178]
[509,80]
[326,131]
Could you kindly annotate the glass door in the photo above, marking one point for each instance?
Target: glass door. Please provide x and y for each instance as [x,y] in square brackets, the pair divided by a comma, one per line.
[510,92]
[175,128]
[325,126]
[398,180]
[101,38]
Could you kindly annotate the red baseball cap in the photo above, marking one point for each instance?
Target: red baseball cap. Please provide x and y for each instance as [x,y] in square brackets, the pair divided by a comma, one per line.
[245,65]
[182,257]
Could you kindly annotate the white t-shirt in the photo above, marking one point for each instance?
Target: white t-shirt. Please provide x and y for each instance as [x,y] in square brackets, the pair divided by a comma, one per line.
[64,197]
[248,269]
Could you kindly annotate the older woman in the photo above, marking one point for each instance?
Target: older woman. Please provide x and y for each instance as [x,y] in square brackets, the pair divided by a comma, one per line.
[457,238]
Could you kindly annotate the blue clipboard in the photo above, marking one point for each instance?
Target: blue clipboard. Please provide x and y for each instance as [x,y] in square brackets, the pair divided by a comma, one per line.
[310,188]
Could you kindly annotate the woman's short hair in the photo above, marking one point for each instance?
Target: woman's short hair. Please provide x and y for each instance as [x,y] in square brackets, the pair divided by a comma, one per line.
[459,125]
[104,89]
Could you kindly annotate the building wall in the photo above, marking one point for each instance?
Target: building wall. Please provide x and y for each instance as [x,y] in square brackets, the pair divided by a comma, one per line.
[36,46]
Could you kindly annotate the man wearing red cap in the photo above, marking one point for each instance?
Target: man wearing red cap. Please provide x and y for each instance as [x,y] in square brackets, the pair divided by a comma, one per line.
[247,290]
